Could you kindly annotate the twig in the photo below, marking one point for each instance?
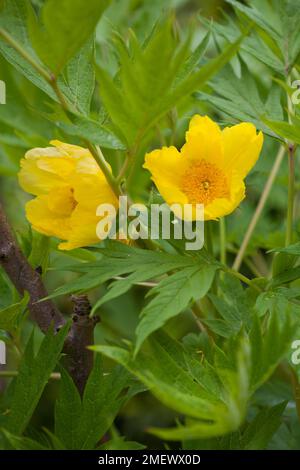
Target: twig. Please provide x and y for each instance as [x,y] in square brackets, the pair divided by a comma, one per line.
[79,359]
[258,211]
[25,278]
[13,373]
[291,195]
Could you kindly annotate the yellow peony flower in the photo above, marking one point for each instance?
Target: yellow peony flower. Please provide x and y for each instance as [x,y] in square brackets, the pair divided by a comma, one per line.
[210,168]
[69,186]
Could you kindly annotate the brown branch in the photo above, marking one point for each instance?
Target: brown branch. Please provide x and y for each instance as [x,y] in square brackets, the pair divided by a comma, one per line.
[79,360]
[25,278]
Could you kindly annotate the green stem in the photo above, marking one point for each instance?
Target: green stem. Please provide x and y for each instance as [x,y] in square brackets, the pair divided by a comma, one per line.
[243,278]
[291,196]
[13,43]
[259,209]
[222,227]
[208,237]
[100,159]
[15,373]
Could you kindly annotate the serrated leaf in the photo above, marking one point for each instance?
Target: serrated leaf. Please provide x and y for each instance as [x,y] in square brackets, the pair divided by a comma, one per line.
[80,76]
[80,424]
[10,317]
[172,296]
[119,443]
[119,260]
[22,443]
[269,347]
[68,410]
[34,372]
[63,28]
[173,384]
[260,431]
[92,131]
[291,132]
[145,89]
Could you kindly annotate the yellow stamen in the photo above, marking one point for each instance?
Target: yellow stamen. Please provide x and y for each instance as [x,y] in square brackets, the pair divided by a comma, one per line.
[204,182]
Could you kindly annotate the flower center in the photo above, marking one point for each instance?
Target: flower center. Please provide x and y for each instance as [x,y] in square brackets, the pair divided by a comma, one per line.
[61,201]
[204,182]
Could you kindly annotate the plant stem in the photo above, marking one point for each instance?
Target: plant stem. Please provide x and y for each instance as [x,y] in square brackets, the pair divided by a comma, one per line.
[208,237]
[13,43]
[291,196]
[222,227]
[243,278]
[100,159]
[14,373]
[258,211]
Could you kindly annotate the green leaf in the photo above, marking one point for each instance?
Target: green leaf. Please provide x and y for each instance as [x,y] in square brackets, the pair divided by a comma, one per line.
[80,76]
[240,99]
[68,410]
[131,99]
[118,260]
[80,424]
[291,132]
[34,372]
[63,28]
[172,296]
[5,292]
[22,443]
[10,317]
[289,275]
[102,400]
[40,250]
[293,249]
[14,19]
[119,443]
[260,431]
[215,412]
[91,130]
[269,347]
[253,44]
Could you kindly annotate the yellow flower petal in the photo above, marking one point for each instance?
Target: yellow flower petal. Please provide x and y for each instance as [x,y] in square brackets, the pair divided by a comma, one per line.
[70,186]
[203,141]
[224,206]
[35,181]
[83,224]
[73,151]
[210,168]
[242,146]
[167,167]
[45,221]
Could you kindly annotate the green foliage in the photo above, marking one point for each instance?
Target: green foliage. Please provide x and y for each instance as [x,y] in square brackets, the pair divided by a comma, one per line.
[172,296]
[34,371]
[203,352]
[10,317]
[255,435]
[145,89]
[80,424]
[215,395]
[239,98]
[65,27]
